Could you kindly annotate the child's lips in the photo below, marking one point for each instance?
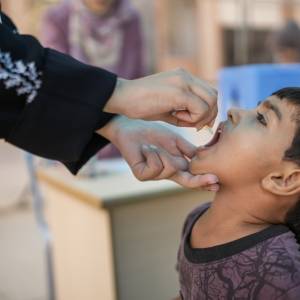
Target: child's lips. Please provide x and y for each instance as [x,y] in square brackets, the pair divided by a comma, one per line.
[215,139]
[217,136]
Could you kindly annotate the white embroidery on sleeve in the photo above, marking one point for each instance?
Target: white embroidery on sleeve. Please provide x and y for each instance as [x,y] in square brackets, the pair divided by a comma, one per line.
[23,77]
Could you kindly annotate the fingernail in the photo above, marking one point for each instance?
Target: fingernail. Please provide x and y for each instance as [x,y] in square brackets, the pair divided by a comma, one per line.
[212,179]
[149,147]
[153,147]
[146,147]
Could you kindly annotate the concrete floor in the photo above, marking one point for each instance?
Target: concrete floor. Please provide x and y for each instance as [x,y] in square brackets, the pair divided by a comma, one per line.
[22,269]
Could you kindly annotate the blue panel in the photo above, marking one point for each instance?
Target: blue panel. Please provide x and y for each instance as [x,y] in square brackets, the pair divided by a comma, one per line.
[244,86]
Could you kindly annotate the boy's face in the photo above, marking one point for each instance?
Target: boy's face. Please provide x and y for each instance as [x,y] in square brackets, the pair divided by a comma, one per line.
[251,145]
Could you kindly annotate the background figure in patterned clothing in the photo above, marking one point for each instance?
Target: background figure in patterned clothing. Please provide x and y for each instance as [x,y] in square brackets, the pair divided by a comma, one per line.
[245,244]
[103,33]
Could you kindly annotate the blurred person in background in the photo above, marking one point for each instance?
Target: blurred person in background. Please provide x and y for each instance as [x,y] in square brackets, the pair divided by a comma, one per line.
[103,33]
[285,44]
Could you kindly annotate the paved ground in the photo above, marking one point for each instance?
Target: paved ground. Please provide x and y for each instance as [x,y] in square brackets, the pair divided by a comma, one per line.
[22,272]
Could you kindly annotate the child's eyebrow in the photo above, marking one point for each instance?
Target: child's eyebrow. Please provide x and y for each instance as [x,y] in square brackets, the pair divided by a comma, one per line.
[273,107]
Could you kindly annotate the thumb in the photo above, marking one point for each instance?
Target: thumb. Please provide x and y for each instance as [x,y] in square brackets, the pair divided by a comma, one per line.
[191,181]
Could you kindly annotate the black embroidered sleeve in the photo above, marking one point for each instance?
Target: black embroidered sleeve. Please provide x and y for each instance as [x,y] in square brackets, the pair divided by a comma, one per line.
[50,104]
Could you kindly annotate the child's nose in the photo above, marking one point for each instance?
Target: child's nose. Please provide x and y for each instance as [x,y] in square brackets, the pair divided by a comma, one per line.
[233,115]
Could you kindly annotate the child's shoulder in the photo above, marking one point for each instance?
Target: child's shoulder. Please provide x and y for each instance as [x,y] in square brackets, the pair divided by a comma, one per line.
[285,245]
[277,261]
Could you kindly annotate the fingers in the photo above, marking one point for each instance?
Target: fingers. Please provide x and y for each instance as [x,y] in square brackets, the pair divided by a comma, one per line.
[209,120]
[174,120]
[176,97]
[185,147]
[174,144]
[197,114]
[199,101]
[196,108]
[157,164]
[199,87]
[188,180]
[212,188]
[148,166]
[214,116]
[205,91]
[171,164]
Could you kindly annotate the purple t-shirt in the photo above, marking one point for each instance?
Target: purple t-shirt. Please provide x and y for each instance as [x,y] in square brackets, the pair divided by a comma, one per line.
[262,266]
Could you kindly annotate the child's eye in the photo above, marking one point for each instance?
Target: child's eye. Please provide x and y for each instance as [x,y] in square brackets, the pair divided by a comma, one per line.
[260,118]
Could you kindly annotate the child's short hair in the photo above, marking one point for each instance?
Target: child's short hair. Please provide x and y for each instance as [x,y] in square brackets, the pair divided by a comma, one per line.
[292,95]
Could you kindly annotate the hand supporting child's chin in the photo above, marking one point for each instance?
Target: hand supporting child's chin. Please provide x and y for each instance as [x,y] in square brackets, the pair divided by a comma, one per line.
[212,184]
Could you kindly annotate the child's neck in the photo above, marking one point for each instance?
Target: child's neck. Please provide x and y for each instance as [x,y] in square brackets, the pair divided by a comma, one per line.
[225,222]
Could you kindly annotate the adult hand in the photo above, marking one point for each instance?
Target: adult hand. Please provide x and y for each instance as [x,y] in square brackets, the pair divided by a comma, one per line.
[155,152]
[176,97]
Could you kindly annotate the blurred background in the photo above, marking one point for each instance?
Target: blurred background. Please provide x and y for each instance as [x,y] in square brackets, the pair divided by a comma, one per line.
[103,235]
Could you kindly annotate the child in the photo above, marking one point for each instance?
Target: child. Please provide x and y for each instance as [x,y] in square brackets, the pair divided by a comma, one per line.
[243,245]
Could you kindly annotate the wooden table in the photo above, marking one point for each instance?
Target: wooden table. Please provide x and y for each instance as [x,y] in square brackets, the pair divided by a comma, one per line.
[113,236]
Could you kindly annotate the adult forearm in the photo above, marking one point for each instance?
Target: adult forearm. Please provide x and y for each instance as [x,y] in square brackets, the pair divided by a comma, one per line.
[52,104]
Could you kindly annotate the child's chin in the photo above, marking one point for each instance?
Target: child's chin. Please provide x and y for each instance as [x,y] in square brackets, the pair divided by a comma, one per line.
[197,168]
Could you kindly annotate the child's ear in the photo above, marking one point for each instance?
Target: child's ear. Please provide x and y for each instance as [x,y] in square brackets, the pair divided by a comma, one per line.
[284,184]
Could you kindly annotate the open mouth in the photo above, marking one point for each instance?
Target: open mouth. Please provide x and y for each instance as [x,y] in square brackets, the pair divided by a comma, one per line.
[216,136]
